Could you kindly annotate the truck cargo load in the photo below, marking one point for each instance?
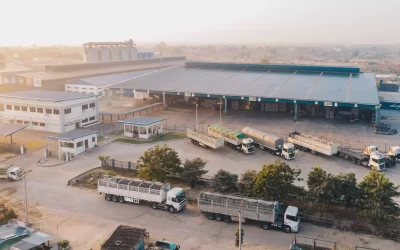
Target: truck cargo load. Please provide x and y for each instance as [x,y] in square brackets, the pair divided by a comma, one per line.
[313,143]
[160,195]
[233,138]
[226,207]
[204,140]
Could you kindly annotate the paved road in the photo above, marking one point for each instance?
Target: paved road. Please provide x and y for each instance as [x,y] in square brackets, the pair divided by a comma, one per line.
[47,186]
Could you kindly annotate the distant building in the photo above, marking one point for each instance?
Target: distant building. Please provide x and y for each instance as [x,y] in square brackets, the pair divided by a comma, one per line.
[110,51]
[51,111]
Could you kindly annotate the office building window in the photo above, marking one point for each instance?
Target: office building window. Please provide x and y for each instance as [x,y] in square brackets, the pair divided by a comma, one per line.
[92,105]
[19,121]
[24,108]
[9,107]
[42,124]
[79,144]
[48,111]
[35,123]
[39,110]
[84,107]
[26,122]
[56,111]
[92,118]
[66,144]
[93,139]
[17,107]
[67,111]
[31,109]
[85,121]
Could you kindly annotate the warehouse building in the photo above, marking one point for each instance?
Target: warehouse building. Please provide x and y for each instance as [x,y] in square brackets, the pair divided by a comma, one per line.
[51,111]
[329,92]
[97,85]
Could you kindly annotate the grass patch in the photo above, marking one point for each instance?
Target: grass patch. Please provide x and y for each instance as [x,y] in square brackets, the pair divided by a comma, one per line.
[165,137]
[29,144]
[100,138]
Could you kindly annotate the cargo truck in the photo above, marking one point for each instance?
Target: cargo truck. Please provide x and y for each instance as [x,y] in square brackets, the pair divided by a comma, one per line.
[232,138]
[11,173]
[271,143]
[158,194]
[222,207]
[204,140]
[394,154]
[370,157]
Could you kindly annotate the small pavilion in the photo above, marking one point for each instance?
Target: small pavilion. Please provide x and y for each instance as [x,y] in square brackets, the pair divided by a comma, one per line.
[142,127]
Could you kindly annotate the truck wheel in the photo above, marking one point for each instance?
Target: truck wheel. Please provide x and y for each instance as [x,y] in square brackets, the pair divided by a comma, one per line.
[261,147]
[364,163]
[358,162]
[354,161]
[265,226]
[210,216]
[218,217]
[154,205]
[121,199]
[227,218]
[171,209]
[108,197]
[115,198]
[288,230]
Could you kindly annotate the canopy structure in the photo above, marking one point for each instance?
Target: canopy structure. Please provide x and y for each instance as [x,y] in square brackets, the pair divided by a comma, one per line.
[8,129]
[32,241]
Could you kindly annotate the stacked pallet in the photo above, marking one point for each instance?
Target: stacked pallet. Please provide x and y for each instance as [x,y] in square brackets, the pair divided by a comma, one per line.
[373,117]
[329,113]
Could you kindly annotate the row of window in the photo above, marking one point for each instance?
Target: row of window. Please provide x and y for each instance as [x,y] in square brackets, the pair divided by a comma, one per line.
[91,105]
[90,119]
[48,111]
[71,145]
[41,124]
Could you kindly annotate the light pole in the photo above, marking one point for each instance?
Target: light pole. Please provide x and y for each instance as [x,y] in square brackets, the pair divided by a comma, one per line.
[220,113]
[196,116]
[26,198]
[240,229]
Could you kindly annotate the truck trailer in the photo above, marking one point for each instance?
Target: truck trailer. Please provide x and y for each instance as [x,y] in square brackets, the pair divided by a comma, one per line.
[204,140]
[11,173]
[232,138]
[158,194]
[222,207]
[271,143]
[369,157]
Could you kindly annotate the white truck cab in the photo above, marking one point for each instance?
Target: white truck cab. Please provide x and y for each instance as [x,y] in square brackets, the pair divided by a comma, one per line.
[247,146]
[292,218]
[288,151]
[176,197]
[370,149]
[11,173]
[377,161]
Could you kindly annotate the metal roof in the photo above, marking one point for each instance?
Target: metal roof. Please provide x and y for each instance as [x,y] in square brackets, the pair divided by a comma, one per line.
[111,79]
[389,96]
[32,241]
[45,95]
[7,129]
[141,120]
[124,238]
[74,134]
[262,85]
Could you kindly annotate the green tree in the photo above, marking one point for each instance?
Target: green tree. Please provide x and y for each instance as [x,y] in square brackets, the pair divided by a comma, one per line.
[224,181]
[376,197]
[237,237]
[349,191]
[157,162]
[193,170]
[247,181]
[264,60]
[316,183]
[276,180]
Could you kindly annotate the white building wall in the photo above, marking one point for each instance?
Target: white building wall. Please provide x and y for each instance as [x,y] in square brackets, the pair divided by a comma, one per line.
[105,54]
[44,115]
[91,143]
[91,55]
[85,89]
[115,53]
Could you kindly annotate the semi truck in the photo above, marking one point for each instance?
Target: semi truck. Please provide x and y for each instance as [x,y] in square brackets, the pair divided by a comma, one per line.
[158,194]
[11,173]
[394,154]
[204,140]
[369,157]
[232,138]
[222,207]
[271,143]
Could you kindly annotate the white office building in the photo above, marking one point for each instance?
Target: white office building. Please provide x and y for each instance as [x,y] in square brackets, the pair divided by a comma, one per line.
[52,111]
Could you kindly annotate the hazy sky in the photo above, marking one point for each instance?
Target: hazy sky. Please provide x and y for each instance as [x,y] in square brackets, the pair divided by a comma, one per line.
[26,22]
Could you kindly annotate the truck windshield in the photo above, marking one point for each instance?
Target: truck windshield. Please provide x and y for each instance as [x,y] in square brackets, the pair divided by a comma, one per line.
[181,196]
[290,150]
[292,218]
[381,161]
[250,145]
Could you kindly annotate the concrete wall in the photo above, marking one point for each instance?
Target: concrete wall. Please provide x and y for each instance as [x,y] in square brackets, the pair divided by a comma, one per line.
[52,121]
[85,89]
[78,150]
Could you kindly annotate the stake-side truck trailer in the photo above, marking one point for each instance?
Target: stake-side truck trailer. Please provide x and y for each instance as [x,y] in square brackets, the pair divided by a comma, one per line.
[232,138]
[158,194]
[271,143]
[204,140]
[370,157]
[10,173]
[226,208]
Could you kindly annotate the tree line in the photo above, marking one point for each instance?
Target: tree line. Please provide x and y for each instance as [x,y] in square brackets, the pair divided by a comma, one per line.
[372,198]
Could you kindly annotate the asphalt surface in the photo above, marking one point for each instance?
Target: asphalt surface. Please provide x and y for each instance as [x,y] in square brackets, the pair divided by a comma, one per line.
[48,187]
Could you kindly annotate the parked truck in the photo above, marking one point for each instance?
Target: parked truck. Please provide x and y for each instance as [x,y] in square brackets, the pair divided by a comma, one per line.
[11,173]
[232,138]
[158,194]
[222,207]
[204,140]
[394,154]
[369,157]
[271,143]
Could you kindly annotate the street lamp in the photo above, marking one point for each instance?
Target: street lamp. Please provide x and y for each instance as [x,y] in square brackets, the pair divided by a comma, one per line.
[196,116]
[220,113]
[26,198]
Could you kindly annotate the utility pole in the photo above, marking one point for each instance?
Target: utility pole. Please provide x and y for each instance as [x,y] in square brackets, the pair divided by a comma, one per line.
[220,113]
[240,229]
[196,116]
[26,199]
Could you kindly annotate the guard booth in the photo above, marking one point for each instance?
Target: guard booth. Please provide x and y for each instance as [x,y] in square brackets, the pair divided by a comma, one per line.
[142,127]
